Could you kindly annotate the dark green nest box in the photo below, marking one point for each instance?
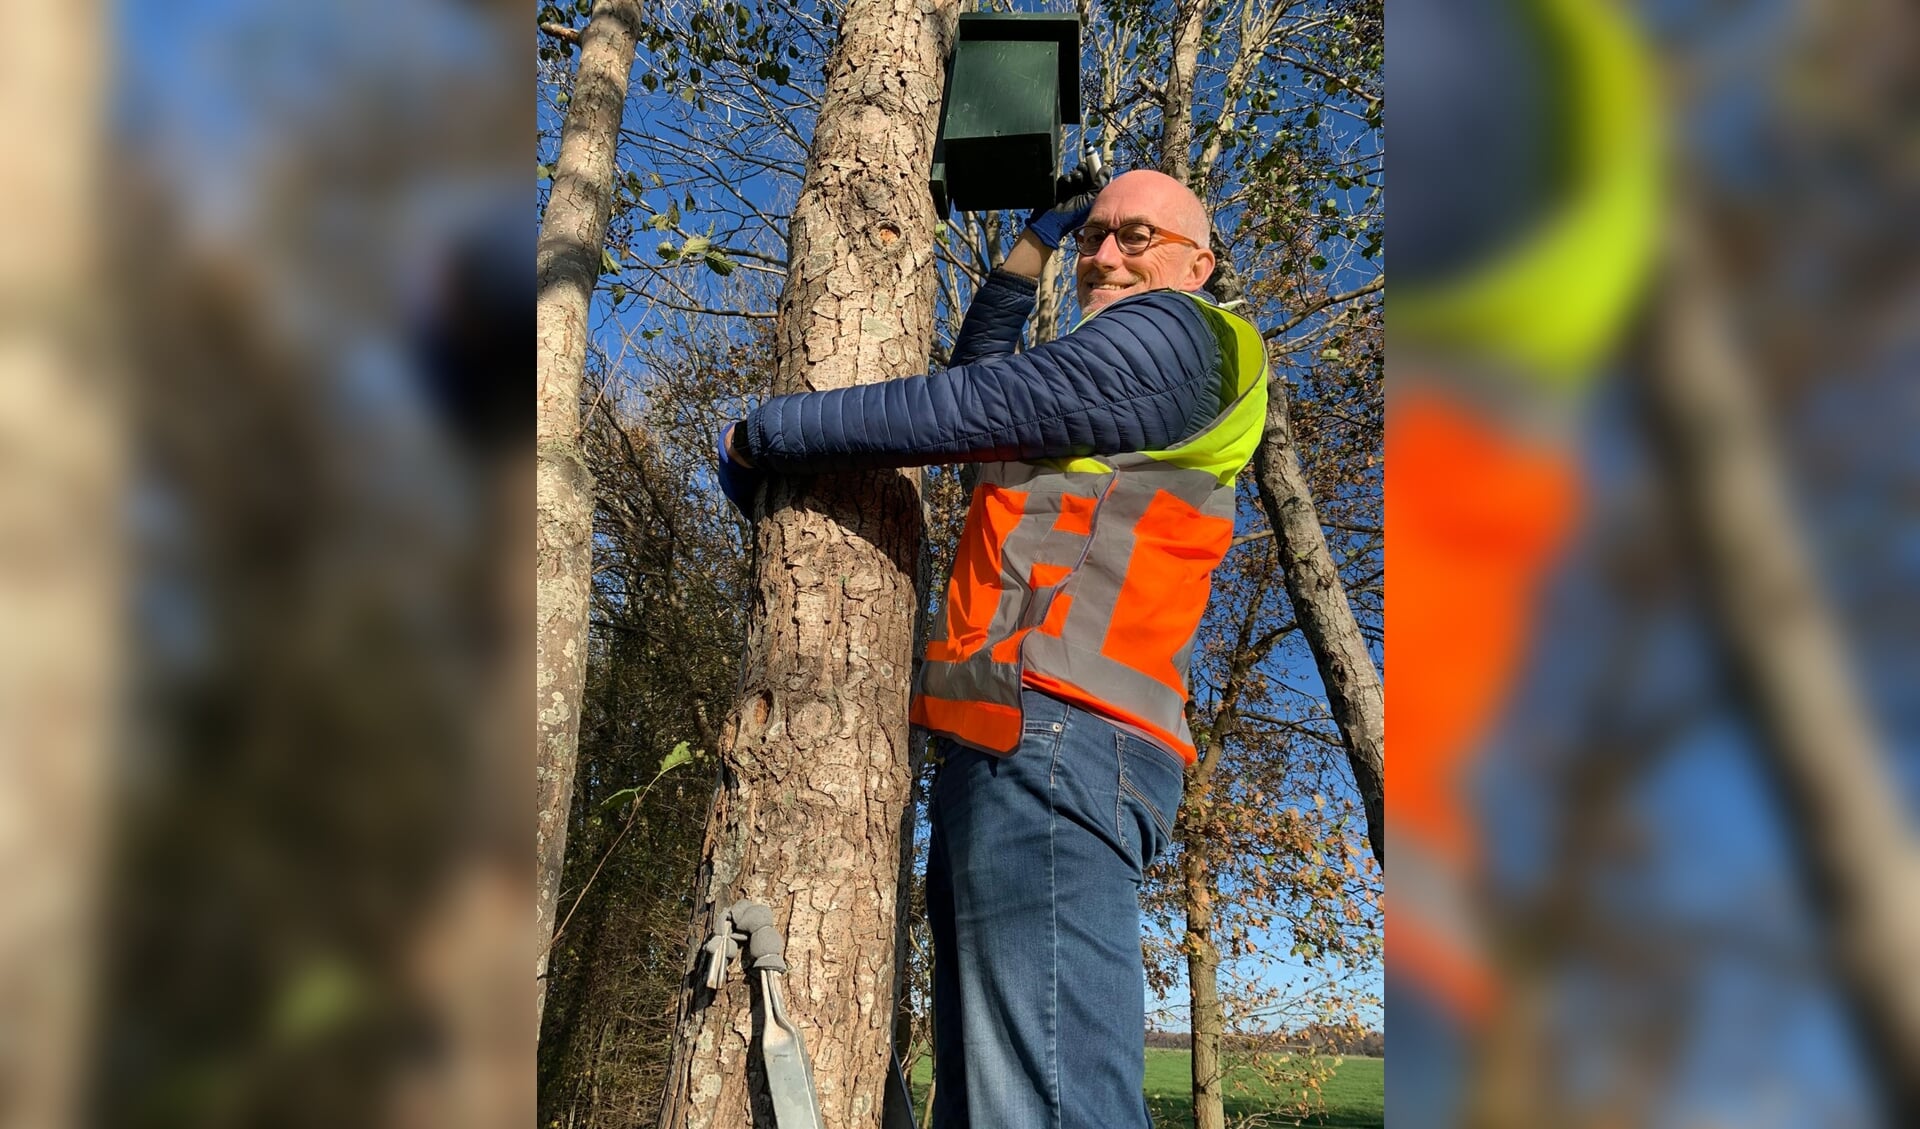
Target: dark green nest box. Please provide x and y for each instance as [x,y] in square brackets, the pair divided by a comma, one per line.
[1013,80]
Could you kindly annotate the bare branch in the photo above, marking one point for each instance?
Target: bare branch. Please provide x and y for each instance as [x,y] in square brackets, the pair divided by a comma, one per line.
[1379,282]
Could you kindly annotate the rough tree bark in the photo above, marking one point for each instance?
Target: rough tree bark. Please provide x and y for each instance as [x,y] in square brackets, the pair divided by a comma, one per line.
[568,262]
[1786,657]
[1325,617]
[814,758]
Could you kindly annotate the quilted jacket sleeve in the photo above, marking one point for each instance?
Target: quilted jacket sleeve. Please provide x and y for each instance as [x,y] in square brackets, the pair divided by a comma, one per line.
[1142,376]
[995,317]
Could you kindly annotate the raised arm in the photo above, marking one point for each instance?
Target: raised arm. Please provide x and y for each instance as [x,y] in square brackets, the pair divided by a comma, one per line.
[1141,376]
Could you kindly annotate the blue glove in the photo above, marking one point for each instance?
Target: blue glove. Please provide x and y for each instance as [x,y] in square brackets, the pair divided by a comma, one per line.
[1073,200]
[738,483]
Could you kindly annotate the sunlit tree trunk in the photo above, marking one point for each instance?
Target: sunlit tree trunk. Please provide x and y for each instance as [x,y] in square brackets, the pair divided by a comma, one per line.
[1833,776]
[62,437]
[1050,303]
[1206,1016]
[1325,617]
[568,260]
[1176,97]
[815,754]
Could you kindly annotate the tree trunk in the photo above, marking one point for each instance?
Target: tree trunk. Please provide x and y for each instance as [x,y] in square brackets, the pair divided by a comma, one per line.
[1326,619]
[1176,98]
[568,259]
[815,755]
[63,431]
[1205,1016]
[1049,301]
[1830,768]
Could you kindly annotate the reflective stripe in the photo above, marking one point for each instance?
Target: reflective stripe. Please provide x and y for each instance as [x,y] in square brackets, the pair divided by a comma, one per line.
[1180,744]
[974,591]
[986,725]
[1088,578]
[1169,576]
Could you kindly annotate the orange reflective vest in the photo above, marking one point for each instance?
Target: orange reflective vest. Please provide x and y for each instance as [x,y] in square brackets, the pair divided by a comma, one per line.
[1087,578]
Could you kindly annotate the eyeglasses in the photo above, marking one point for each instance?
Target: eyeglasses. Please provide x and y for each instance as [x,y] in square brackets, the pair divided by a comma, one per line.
[1132,238]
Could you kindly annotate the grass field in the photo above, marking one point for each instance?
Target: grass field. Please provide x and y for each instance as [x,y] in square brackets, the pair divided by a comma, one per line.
[1355,1096]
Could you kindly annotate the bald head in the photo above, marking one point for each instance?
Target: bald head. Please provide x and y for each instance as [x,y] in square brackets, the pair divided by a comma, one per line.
[1165,201]
[1149,197]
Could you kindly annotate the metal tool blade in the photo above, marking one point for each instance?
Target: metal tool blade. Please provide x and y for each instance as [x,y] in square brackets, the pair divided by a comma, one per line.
[789,1072]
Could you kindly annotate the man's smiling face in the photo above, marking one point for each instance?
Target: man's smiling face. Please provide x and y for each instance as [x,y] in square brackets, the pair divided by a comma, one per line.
[1144,196]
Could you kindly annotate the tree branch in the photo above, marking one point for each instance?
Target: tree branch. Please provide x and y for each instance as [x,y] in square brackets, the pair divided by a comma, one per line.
[1379,282]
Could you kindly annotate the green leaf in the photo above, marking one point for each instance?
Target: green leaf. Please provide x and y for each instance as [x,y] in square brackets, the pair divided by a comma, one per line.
[718,263]
[681,754]
[562,98]
[1318,262]
[543,172]
[696,245]
[1312,119]
[661,221]
[624,795]
[608,265]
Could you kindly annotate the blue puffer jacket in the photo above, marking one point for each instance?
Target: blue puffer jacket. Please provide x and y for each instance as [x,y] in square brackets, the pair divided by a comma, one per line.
[1142,376]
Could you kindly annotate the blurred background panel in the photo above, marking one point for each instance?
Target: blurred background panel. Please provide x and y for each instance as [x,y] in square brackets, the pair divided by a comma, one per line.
[62,467]
[267,291]
[1653,538]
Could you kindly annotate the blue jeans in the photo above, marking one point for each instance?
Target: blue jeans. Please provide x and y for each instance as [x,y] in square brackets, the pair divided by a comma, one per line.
[1033,895]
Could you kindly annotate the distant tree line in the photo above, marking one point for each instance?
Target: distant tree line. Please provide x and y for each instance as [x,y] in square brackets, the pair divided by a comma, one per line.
[1319,1038]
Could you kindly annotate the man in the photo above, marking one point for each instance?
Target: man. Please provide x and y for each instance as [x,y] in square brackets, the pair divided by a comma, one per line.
[1056,680]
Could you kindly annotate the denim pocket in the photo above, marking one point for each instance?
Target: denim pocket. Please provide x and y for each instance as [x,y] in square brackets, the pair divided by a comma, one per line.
[1151,783]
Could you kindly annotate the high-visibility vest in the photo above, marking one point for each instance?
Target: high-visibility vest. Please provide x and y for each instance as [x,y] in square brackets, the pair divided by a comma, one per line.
[1545,309]
[1086,578]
